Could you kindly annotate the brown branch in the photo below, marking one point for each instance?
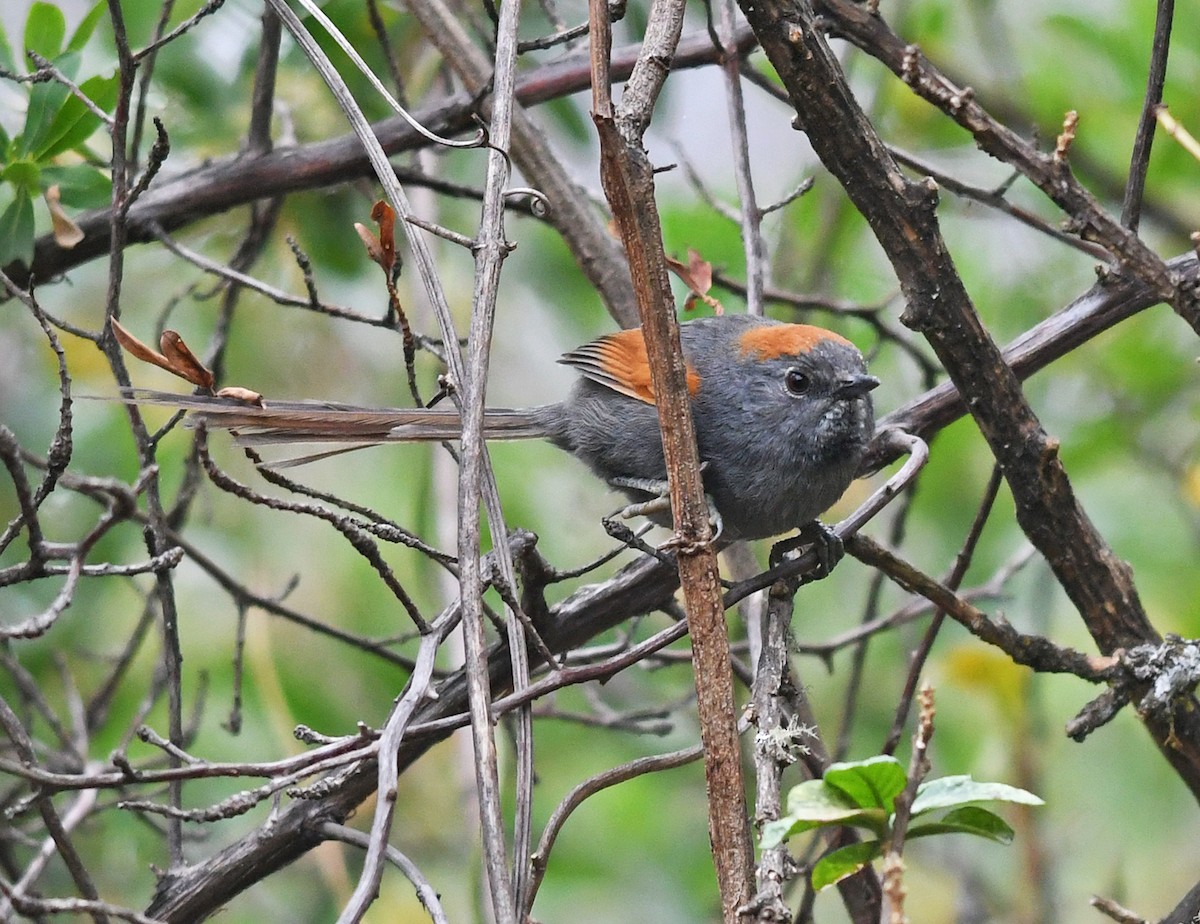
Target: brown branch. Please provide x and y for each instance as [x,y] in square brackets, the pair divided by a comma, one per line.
[1139,159]
[1049,172]
[628,179]
[1101,308]
[237,180]
[1188,909]
[586,789]
[902,216]
[1034,651]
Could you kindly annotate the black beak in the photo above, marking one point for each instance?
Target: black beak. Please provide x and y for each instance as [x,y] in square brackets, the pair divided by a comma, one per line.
[854,386]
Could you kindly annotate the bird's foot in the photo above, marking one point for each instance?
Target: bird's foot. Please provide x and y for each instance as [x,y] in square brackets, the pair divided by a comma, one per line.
[660,503]
[825,543]
[628,537]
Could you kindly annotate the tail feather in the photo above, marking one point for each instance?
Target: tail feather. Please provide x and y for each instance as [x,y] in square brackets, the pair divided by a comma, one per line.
[281,422]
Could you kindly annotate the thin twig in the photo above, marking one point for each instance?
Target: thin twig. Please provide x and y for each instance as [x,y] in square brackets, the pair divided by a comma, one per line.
[540,858]
[628,179]
[417,689]
[953,581]
[753,245]
[206,10]
[1139,158]
[54,73]
[425,892]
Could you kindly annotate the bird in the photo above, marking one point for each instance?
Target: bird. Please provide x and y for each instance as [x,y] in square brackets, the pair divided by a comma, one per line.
[782,414]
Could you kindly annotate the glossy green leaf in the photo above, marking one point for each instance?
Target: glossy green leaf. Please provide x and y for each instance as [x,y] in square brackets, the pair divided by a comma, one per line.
[86,27]
[21,173]
[812,799]
[16,229]
[80,186]
[74,123]
[871,783]
[45,102]
[45,29]
[970,819]
[956,791]
[845,861]
[775,833]
[812,804]
[6,55]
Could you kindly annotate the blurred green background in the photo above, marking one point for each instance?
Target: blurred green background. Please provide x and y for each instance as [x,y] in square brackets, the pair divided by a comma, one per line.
[1117,821]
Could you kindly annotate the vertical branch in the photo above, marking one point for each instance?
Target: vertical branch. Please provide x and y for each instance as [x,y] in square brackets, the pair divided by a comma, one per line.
[750,213]
[156,538]
[476,479]
[262,102]
[776,745]
[491,248]
[147,73]
[570,209]
[787,732]
[903,217]
[893,847]
[628,179]
[1139,160]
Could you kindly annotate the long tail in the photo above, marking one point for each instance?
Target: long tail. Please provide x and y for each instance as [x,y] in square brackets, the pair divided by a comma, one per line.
[328,422]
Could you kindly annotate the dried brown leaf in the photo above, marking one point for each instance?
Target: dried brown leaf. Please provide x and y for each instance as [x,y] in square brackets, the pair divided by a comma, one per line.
[697,275]
[385,216]
[137,349]
[237,393]
[66,233]
[183,361]
[371,242]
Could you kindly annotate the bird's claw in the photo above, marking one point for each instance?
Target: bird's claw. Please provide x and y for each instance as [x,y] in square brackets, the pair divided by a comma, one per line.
[826,545]
[661,503]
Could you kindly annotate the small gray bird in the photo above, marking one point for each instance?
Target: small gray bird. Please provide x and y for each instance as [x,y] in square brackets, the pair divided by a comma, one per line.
[782,414]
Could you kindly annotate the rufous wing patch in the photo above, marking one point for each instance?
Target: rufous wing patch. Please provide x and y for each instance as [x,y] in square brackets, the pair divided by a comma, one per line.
[773,340]
[619,361]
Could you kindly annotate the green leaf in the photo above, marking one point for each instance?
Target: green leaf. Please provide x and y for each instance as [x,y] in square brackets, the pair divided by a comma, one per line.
[45,29]
[970,819]
[955,791]
[21,173]
[871,783]
[775,833]
[16,229]
[80,186]
[815,801]
[74,123]
[86,27]
[6,55]
[812,804]
[845,861]
[45,100]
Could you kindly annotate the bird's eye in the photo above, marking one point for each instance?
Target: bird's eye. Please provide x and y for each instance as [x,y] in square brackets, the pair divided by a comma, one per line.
[796,382]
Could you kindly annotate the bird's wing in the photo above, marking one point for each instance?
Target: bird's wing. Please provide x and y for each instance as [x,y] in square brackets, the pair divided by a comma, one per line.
[619,361]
